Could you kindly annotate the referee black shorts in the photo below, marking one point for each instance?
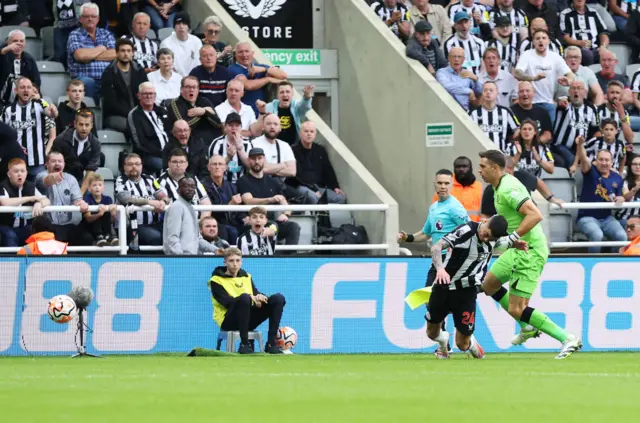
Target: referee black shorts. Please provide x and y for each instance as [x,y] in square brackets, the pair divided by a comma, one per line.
[461,303]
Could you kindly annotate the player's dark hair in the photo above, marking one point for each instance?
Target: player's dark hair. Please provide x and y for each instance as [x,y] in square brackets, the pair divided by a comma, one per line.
[494,156]
[498,226]
[444,172]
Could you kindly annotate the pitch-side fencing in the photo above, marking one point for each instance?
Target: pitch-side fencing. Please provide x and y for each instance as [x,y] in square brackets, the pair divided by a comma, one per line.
[591,206]
[389,245]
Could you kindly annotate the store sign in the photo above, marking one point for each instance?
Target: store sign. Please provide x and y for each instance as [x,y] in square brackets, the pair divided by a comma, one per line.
[274,23]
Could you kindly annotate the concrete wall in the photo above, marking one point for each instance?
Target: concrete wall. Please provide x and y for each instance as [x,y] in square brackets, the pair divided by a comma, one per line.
[359,184]
[385,102]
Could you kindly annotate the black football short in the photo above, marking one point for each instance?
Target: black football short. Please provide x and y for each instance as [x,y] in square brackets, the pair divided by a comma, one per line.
[461,303]
[431,276]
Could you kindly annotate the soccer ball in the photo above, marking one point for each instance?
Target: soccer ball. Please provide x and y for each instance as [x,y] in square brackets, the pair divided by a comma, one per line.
[62,309]
[286,338]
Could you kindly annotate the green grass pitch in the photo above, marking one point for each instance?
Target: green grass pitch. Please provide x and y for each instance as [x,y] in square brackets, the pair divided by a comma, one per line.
[587,387]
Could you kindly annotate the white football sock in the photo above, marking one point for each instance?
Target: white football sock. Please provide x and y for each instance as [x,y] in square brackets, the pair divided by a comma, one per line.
[441,338]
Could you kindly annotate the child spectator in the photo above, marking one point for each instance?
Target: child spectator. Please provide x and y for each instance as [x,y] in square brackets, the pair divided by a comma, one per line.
[608,141]
[260,239]
[100,223]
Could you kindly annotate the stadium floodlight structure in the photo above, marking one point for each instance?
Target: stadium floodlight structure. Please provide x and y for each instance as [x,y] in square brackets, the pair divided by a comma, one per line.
[82,296]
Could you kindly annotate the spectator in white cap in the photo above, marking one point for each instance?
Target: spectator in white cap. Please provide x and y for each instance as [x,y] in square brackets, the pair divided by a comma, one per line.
[185,46]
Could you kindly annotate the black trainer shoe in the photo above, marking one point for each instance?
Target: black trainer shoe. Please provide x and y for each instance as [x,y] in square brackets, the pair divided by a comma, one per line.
[252,344]
[245,349]
[272,349]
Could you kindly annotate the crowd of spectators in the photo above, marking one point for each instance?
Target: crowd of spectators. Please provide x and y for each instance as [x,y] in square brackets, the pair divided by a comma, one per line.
[198,114]
[521,70]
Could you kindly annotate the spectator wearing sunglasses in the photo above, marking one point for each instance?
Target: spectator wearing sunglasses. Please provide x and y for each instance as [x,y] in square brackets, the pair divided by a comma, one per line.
[633,234]
[212,29]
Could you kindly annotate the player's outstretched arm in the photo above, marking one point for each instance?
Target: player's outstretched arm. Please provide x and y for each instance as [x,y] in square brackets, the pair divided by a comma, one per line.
[416,237]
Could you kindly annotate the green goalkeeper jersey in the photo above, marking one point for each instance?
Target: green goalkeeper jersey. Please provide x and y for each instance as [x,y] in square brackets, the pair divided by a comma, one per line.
[509,196]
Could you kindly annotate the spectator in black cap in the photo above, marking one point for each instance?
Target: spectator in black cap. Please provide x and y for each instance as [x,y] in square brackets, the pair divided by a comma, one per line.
[233,147]
[162,12]
[505,41]
[258,189]
[185,46]
[425,49]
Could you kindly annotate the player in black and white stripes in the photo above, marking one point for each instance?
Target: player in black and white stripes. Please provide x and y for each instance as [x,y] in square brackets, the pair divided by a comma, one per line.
[29,118]
[576,119]
[608,141]
[506,42]
[497,122]
[137,189]
[261,237]
[469,248]
[613,108]
[394,15]
[478,16]
[144,48]
[583,27]
[517,17]
[473,46]
[540,24]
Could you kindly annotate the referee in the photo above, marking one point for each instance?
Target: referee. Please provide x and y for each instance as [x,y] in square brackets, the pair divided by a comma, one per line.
[444,216]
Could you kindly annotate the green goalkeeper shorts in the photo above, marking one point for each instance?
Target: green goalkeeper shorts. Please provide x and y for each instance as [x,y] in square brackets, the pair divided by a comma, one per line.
[521,269]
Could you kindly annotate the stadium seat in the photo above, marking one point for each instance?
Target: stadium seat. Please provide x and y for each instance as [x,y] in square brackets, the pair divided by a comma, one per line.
[164,33]
[46,34]
[112,143]
[48,100]
[34,48]
[98,112]
[28,32]
[623,53]
[54,79]
[152,35]
[308,228]
[631,69]
[560,227]
[232,337]
[109,181]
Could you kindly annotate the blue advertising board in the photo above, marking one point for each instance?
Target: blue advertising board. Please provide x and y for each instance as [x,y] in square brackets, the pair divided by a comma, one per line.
[337,305]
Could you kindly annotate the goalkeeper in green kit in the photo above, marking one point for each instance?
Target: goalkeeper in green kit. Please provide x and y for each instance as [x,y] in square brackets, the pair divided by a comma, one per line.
[521,269]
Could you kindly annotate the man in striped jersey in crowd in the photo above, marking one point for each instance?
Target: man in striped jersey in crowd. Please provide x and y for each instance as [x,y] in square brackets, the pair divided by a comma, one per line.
[473,46]
[497,122]
[583,27]
[535,25]
[516,16]
[608,141]
[144,48]
[178,163]
[233,147]
[479,18]
[468,251]
[394,15]
[28,117]
[613,108]
[137,189]
[506,42]
[575,119]
[261,237]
